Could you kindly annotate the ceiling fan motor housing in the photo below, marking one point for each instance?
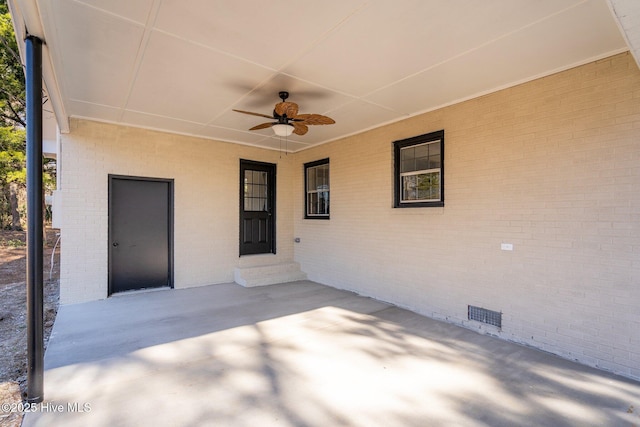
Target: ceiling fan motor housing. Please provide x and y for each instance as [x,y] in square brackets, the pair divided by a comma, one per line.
[288,120]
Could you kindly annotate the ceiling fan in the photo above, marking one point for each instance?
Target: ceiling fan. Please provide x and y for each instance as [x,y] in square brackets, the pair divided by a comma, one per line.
[288,119]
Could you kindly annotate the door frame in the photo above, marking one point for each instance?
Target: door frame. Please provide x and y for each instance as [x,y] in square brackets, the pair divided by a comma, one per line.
[170,230]
[271,197]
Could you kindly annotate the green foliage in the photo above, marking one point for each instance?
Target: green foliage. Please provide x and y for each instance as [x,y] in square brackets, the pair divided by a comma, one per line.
[12,127]
[12,243]
[12,155]
[12,172]
[12,88]
[12,123]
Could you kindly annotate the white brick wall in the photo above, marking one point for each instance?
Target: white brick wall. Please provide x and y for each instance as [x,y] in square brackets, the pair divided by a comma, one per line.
[551,166]
[206,175]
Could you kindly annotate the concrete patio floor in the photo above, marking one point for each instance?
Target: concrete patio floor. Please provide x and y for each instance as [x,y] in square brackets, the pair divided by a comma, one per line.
[303,354]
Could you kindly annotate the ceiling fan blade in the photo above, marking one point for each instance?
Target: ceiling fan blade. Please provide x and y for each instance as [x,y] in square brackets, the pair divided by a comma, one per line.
[288,108]
[254,114]
[262,126]
[299,128]
[314,119]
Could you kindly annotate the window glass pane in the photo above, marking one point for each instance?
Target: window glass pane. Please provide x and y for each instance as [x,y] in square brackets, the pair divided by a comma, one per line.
[432,193]
[422,164]
[428,186]
[324,202]
[407,153]
[326,175]
[425,186]
[319,178]
[317,197]
[418,171]
[422,150]
[312,203]
[408,165]
[255,191]
[311,179]
[247,180]
[323,176]
[409,187]
[434,162]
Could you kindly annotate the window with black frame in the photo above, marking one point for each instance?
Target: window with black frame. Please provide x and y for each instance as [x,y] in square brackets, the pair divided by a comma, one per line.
[316,184]
[419,171]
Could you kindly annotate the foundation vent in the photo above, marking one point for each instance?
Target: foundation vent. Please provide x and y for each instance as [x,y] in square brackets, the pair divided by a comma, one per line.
[485,316]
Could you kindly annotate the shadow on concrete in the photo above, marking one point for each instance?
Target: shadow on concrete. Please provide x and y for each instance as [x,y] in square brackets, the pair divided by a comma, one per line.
[302,354]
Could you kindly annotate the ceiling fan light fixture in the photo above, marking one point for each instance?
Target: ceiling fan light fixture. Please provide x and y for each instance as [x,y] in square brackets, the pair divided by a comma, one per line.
[282,129]
[288,120]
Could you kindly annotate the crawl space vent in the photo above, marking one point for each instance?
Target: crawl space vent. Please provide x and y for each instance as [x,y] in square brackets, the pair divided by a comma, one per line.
[485,316]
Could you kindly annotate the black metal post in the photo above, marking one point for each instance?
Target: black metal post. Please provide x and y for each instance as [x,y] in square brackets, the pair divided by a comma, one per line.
[35,297]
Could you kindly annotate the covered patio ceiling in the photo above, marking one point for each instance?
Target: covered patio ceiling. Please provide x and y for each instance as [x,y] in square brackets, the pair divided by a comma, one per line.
[182,67]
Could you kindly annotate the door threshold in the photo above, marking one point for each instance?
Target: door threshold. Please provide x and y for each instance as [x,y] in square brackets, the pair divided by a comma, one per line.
[140,291]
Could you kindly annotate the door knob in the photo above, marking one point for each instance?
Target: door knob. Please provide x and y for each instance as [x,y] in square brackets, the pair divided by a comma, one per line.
[115,244]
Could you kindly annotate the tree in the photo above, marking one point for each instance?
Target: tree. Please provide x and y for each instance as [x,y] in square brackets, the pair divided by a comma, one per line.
[12,127]
[12,123]
[12,174]
[12,86]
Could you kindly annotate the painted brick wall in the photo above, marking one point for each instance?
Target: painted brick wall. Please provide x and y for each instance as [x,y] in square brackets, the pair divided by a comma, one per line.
[206,175]
[551,166]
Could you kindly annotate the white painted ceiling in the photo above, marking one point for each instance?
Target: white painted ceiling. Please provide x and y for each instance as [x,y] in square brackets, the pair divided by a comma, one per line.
[182,65]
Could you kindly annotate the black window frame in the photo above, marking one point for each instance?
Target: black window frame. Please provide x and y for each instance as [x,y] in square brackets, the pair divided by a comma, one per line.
[397,188]
[307,166]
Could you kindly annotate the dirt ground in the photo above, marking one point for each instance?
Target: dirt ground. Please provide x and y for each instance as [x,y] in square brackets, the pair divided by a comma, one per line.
[13,327]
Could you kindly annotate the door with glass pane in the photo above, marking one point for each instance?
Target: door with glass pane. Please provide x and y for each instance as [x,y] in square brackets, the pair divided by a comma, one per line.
[257,207]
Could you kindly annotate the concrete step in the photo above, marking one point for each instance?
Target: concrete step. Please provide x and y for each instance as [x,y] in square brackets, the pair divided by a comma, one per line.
[268,274]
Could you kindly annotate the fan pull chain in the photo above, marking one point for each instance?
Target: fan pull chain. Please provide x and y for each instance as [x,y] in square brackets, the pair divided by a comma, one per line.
[286,146]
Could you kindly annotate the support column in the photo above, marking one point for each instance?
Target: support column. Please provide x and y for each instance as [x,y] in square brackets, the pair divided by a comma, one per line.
[35,292]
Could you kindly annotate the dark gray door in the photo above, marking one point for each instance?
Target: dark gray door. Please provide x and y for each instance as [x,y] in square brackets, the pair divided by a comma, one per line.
[257,207]
[140,234]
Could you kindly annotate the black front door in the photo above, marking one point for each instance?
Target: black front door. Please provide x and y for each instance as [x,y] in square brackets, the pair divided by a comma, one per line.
[140,233]
[257,207]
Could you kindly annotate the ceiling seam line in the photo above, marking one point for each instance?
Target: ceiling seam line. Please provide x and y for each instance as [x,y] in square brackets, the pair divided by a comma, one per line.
[191,135]
[251,91]
[213,49]
[483,45]
[322,37]
[148,29]
[108,12]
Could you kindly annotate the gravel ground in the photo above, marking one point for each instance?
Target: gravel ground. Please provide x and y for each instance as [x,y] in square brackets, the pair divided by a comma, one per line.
[13,328]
